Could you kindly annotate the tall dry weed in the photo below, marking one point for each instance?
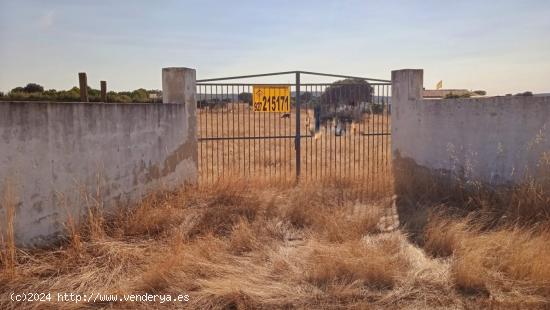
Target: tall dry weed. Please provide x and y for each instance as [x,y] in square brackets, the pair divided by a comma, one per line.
[444,235]
[72,228]
[7,234]
[377,265]
[492,261]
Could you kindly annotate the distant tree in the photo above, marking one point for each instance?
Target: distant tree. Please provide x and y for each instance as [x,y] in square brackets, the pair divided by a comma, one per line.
[140,95]
[1,94]
[72,94]
[93,93]
[526,94]
[36,92]
[456,96]
[347,92]
[479,92]
[33,88]
[345,101]
[245,97]
[154,96]
[305,97]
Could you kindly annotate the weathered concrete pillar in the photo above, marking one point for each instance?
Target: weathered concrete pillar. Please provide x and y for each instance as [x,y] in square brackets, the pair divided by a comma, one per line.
[406,90]
[407,86]
[179,87]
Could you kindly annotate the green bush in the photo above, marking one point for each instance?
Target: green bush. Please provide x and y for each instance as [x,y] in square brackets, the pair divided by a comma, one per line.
[245,97]
[456,96]
[35,92]
[33,88]
[525,94]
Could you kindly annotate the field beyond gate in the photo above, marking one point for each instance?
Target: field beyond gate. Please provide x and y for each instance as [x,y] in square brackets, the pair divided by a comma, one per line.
[343,131]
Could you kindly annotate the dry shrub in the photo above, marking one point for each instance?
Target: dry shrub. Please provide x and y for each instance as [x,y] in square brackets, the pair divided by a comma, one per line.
[498,260]
[7,236]
[469,272]
[220,219]
[153,216]
[230,192]
[377,265]
[227,203]
[419,190]
[341,224]
[318,208]
[95,224]
[529,203]
[71,225]
[527,257]
[234,300]
[443,235]
[243,239]
[181,264]
[159,276]
[304,205]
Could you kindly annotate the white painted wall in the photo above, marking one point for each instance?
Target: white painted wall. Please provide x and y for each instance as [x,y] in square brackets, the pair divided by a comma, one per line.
[495,140]
[55,155]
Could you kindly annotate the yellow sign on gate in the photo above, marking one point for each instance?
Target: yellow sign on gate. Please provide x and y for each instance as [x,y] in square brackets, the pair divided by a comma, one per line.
[271,98]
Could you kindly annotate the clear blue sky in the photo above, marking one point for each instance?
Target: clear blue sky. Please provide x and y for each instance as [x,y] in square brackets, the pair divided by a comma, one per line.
[500,46]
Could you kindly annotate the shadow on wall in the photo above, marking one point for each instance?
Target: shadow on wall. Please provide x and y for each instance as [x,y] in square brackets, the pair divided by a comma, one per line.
[421,192]
[485,155]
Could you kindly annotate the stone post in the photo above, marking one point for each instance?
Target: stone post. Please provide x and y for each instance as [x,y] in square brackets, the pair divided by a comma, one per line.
[83,84]
[103,91]
[179,87]
[406,87]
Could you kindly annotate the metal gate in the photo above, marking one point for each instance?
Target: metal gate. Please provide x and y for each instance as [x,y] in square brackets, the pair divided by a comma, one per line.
[338,128]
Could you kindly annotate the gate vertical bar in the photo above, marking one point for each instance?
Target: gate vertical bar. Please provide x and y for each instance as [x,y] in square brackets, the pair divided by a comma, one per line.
[298,133]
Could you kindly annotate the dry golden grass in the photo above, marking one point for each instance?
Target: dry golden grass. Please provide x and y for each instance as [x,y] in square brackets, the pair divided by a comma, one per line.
[7,237]
[257,244]
[507,263]
[379,265]
[444,235]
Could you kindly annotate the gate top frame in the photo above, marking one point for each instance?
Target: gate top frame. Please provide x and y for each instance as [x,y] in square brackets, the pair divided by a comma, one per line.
[297,85]
[298,73]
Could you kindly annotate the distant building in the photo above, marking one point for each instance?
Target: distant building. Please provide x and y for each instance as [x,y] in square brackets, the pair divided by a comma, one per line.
[441,93]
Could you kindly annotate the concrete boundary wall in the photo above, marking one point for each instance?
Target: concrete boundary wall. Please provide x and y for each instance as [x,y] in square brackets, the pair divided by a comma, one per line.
[494,140]
[61,158]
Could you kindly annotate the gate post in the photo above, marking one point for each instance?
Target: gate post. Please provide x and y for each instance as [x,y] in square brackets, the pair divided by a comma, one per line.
[406,88]
[298,133]
[179,87]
